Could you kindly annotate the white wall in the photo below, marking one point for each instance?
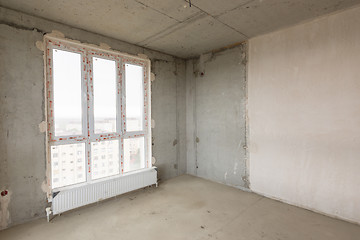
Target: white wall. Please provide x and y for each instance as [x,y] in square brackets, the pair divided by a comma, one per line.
[304,115]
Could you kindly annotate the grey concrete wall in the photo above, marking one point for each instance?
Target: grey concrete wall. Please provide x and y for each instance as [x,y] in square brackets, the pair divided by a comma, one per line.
[168,112]
[304,113]
[190,118]
[22,146]
[216,101]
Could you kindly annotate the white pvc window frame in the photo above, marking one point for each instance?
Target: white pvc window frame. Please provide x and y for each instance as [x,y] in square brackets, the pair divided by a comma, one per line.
[88,135]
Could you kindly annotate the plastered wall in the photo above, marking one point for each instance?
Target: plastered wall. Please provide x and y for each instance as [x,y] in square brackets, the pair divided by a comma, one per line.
[304,115]
[215,115]
[22,145]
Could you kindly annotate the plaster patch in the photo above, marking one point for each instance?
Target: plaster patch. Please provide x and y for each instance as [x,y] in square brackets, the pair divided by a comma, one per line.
[45,187]
[153,160]
[225,176]
[152,77]
[40,45]
[42,126]
[144,56]
[235,168]
[152,123]
[4,212]
[104,46]
[92,45]
[56,33]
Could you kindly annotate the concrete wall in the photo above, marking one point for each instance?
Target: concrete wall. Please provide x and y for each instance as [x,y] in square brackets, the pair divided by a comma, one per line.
[216,135]
[168,112]
[22,146]
[304,111]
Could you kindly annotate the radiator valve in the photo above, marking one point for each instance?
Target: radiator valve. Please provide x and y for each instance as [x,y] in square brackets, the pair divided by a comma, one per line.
[48,212]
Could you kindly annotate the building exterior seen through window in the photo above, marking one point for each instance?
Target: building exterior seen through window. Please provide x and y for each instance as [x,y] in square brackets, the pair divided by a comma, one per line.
[97,112]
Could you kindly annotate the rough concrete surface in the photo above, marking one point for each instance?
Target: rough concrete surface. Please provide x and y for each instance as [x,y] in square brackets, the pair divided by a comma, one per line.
[190,118]
[304,115]
[172,26]
[200,125]
[167,106]
[187,207]
[22,144]
[218,117]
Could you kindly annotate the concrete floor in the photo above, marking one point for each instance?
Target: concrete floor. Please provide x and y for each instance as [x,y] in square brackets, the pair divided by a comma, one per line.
[187,207]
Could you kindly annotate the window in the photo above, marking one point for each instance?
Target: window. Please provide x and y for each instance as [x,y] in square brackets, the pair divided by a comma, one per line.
[97,111]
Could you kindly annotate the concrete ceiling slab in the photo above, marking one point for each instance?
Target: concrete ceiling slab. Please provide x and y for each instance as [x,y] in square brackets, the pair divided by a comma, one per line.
[262,16]
[216,7]
[195,37]
[126,20]
[177,9]
[172,26]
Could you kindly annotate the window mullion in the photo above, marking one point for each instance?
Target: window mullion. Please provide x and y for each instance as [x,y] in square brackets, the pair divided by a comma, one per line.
[119,115]
[88,81]
[146,109]
[123,98]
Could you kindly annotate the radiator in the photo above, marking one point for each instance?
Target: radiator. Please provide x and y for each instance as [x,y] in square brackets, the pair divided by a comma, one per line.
[73,198]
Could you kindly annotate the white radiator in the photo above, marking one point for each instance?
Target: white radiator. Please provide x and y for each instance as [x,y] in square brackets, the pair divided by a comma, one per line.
[73,198]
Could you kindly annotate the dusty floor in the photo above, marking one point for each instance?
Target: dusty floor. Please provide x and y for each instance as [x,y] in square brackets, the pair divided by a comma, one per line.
[187,207]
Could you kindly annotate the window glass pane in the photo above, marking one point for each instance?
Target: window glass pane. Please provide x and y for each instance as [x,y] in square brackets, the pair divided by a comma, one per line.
[104,95]
[134,154]
[67,93]
[104,159]
[68,164]
[134,77]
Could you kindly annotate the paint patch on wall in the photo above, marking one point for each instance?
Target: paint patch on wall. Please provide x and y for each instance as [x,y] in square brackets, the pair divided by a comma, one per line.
[104,46]
[56,33]
[44,187]
[152,123]
[144,56]
[235,168]
[42,126]
[40,45]
[152,77]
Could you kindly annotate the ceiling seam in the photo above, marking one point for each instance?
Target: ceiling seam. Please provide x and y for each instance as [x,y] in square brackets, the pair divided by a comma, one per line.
[154,37]
[218,19]
[183,24]
[158,11]
[230,27]
[239,6]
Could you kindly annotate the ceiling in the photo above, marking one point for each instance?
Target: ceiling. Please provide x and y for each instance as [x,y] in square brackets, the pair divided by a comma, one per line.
[172,26]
